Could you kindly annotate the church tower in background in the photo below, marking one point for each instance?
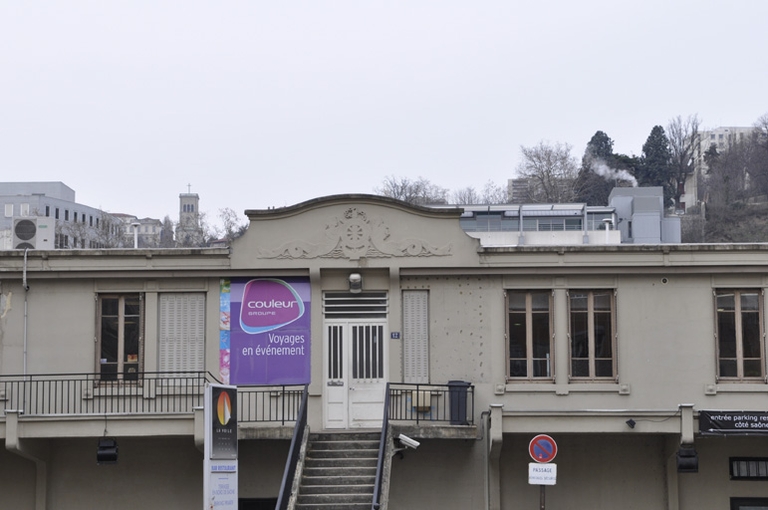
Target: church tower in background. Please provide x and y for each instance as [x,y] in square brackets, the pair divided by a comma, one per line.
[189,231]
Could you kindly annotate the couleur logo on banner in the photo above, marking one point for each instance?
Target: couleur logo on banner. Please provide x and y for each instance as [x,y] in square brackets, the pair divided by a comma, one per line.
[269,304]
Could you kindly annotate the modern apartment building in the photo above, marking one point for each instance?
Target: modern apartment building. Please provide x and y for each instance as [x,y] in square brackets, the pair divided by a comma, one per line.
[51,218]
[721,138]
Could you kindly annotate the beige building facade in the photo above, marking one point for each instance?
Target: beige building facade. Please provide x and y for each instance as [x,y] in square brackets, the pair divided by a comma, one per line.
[625,355]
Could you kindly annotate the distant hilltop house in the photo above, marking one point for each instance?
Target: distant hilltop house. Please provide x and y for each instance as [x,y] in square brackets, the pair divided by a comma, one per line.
[721,138]
[633,216]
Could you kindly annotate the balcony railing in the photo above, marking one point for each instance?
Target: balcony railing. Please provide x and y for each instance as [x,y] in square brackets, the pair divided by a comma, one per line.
[452,403]
[146,393]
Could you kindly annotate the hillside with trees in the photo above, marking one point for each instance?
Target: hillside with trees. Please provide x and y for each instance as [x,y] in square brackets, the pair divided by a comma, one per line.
[732,175]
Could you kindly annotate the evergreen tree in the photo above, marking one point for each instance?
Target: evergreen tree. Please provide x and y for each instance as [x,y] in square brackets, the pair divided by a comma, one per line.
[654,168]
[592,187]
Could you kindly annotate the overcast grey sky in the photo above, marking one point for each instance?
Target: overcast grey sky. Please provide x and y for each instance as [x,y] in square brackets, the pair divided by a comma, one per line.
[270,103]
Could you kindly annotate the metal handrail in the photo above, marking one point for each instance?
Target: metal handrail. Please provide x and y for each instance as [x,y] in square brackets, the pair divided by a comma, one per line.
[286,487]
[143,393]
[382,452]
[452,403]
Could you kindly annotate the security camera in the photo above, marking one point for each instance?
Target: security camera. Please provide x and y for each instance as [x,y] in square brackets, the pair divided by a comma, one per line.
[407,441]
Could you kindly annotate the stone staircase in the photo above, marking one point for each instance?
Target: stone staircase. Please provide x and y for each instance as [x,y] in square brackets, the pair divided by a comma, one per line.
[339,471]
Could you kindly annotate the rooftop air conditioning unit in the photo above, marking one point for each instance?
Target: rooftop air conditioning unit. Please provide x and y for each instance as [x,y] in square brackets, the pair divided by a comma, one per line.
[33,233]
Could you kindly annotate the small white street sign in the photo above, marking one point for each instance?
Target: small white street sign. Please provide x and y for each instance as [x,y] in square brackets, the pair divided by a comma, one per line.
[542,474]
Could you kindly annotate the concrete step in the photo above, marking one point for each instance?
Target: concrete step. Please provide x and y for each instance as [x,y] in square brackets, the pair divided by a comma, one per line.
[333,506]
[348,462]
[355,479]
[315,453]
[336,489]
[339,471]
[335,498]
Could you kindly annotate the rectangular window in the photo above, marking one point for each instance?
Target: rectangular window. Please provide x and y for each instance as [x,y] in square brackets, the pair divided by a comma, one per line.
[66,214]
[749,503]
[23,209]
[749,468]
[8,210]
[739,334]
[47,211]
[57,213]
[592,334]
[529,327]
[121,336]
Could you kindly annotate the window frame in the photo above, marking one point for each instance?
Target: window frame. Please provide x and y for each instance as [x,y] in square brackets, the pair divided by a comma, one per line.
[591,357]
[530,359]
[760,464]
[739,335]
[739,503]
[121,362]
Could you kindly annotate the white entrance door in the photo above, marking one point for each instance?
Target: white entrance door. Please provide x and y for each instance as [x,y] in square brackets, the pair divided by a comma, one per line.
[355,368]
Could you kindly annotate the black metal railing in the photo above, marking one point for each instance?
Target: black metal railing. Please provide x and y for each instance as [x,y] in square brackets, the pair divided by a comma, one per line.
[382,453]
[452,403]
[145,393]
[293,454]
[269,403]
[86,394]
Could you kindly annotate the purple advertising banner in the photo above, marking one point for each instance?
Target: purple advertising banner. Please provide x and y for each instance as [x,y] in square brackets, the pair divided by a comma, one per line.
[269,337]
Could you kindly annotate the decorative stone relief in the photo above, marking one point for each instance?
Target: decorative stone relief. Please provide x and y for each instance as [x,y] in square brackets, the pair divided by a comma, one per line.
[354,236]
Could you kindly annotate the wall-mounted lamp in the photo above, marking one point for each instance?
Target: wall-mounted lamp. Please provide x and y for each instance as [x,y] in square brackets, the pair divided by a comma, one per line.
[687,459]
[107,451]
[630,423]
[355,283]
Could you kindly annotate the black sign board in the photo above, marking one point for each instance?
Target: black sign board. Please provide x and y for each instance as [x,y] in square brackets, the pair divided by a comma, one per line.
[733,422]
[224,422]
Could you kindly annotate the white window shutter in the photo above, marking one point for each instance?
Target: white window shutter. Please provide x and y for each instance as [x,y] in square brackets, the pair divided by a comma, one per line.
[182,332]
[416,336]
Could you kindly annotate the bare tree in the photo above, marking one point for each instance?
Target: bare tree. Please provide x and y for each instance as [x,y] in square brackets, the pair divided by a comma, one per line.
[420,191]
[166,234]
[232,227]
[494,194]
[550,171]
[683,137]
[465,196]
[758,169]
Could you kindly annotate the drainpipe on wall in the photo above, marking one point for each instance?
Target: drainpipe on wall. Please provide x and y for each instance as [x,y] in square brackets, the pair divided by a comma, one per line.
[495,439]
[14,444]
[26,315]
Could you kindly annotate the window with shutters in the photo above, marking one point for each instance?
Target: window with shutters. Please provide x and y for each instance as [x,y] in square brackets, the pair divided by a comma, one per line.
[529,332]
[181,337]
[120,336]
[740,352]
[416,336]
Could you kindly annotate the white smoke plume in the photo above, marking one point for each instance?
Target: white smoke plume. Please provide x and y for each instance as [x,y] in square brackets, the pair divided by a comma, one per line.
[602,169]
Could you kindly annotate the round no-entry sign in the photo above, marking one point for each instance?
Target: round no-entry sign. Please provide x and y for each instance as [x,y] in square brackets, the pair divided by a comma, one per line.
[542,448]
